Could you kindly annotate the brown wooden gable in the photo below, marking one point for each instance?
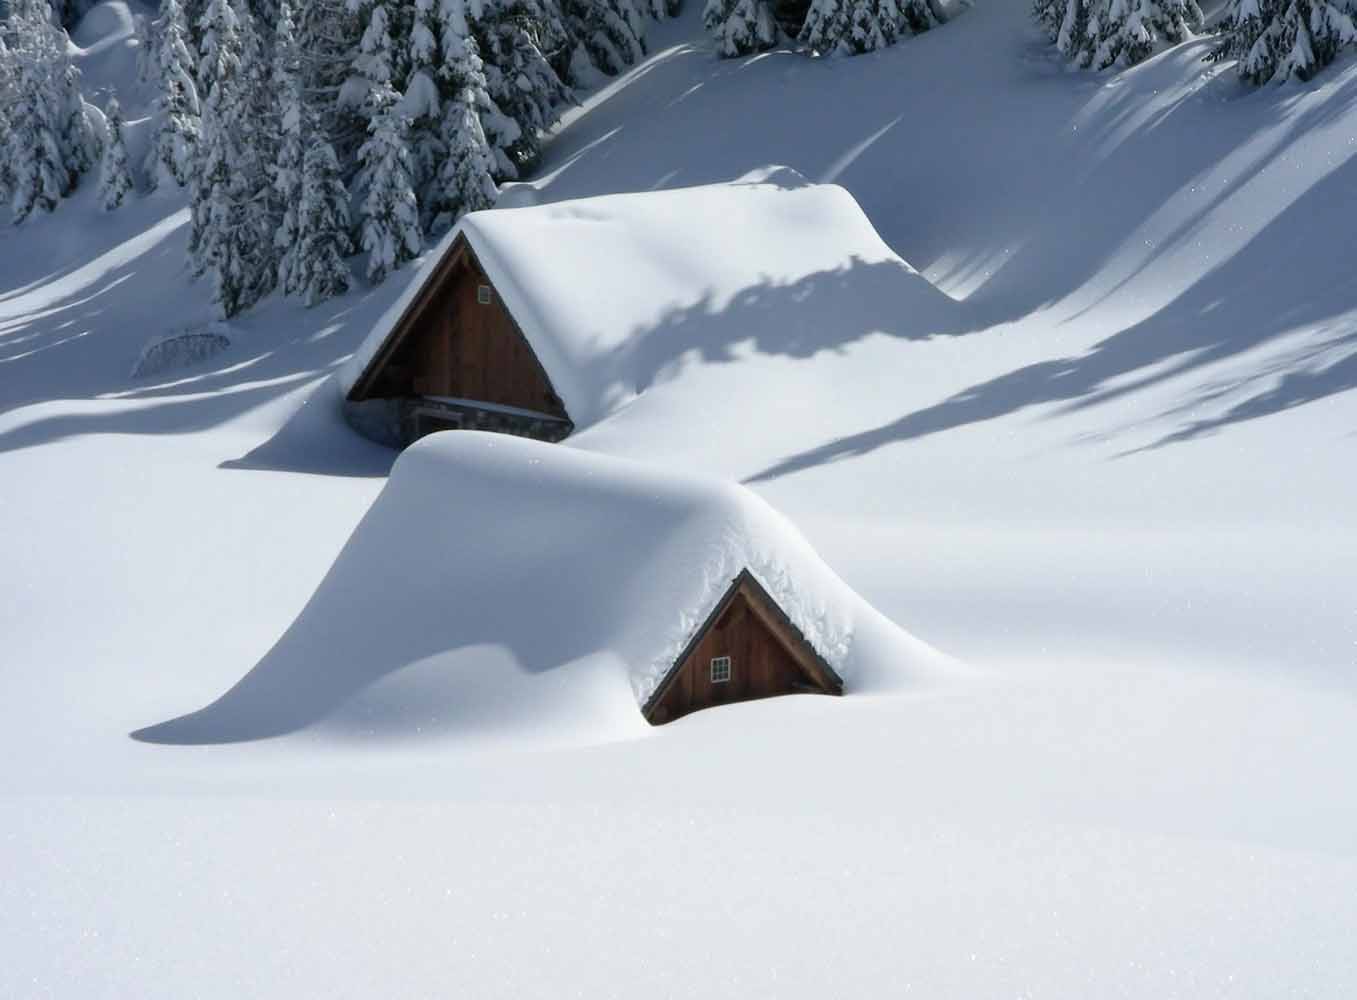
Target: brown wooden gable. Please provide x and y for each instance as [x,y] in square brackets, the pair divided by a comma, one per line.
[768,657]
[451,342]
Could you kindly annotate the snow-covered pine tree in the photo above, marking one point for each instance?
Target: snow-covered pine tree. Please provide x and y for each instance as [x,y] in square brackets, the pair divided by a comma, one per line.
[148,50]
[1066,23]
[661,9]
[1281,39]
[382,53]
[422,103]
[9,98]
[466,183]
[287,167]
[171,156]
[328,36]
[231,238]
[516,40]
[830,26]
[389,214]
[743,26]
[81,145]
[610,33]
[44,148]
[259,142]
[463,77]
[115,180]
[319,271]
[1124,32]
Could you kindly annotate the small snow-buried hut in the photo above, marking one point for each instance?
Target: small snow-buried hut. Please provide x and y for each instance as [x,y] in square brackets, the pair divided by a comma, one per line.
[542,319]
[746,649]
[578,597]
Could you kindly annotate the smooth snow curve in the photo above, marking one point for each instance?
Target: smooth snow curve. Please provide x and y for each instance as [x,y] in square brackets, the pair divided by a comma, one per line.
[593,282]
[586,574]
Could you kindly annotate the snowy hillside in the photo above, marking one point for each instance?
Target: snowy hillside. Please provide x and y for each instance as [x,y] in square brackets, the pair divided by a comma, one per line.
[1117,486]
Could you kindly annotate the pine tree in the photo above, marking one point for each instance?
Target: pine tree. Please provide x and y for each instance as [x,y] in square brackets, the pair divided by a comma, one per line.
[611,33]
[114,178]
[1125,32]
[829,27]
[513,38]
[422,102]
[323,241]
[463,69]
[465,181]
[9,90]
[920,15]
[1066,23]
[148,49]
[260,138]
[1281,39]
[287,169]
[328,36]
[743,26]
[80,144]
[390,212]
[1104,33]
[231,237]
[389,215]
[42,156]
[172,154]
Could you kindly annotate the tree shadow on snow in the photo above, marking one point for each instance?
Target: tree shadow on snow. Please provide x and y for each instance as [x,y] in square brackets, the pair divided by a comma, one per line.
[1294,275]
[824,311]
[72,333]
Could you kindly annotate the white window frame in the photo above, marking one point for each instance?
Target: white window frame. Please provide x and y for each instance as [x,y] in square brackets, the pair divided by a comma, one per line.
[483,295]
[720,669]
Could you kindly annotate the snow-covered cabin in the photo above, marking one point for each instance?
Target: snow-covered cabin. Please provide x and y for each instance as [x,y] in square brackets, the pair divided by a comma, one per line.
[541,319]
[567,594]
[747,648]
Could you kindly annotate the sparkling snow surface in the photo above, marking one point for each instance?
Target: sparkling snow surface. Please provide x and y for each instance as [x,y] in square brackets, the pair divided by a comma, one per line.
[1119,486]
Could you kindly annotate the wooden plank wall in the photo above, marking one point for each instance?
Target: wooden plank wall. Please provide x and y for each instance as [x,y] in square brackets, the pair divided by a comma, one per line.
[472,350]
[761,667]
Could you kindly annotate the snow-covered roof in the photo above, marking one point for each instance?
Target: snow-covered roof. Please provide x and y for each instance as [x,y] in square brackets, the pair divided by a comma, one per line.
[589,280]
[588,573]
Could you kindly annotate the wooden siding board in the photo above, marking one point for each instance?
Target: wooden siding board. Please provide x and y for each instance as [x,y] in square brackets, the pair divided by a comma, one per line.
[769,657]
[447,343]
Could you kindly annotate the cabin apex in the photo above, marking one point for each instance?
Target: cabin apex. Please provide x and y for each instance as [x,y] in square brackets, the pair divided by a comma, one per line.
[455,358]
[746,649]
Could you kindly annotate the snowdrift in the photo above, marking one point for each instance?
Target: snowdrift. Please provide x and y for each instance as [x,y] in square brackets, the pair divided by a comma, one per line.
[524,583]
[608,289]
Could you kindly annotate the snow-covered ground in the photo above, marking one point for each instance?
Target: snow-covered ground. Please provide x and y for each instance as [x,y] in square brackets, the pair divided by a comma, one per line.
[1120,490]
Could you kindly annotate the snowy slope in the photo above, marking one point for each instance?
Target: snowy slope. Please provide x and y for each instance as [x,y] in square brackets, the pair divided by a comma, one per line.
[1121,488]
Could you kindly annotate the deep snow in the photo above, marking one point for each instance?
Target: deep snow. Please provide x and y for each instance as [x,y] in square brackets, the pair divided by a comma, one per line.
[590,574]
[1121,490]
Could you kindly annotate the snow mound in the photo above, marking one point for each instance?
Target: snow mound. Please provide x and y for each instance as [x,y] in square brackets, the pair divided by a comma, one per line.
[598,285]
[179,351]
[538,586]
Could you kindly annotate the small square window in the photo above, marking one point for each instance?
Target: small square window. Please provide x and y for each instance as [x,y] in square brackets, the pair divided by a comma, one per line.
[483,294]
[720,669]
